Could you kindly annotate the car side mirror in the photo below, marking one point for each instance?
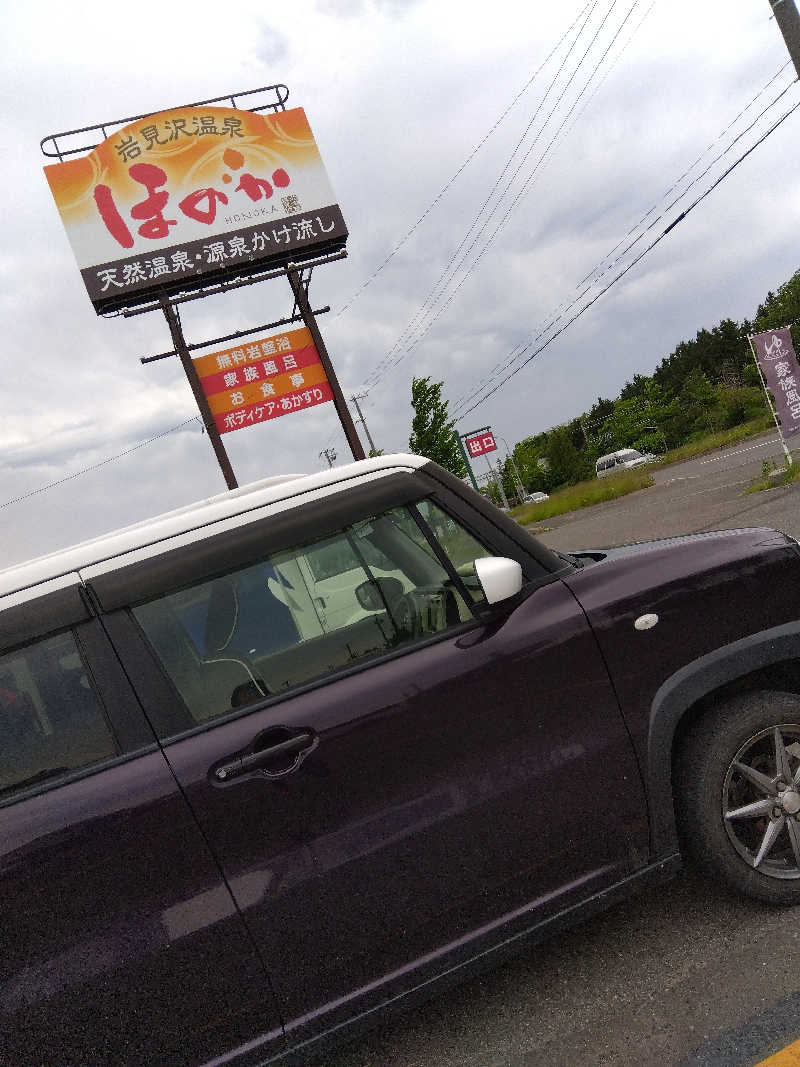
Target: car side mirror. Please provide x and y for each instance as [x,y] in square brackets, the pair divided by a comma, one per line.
[375,595]
[500,578]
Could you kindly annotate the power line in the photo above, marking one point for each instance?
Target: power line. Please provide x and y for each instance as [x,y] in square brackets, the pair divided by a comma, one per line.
[433,291]
[603,266]
[633,263]
[564,36]
[613,64]
[438,290]
[691,166]
[102,463]
[540,164]
[463,167]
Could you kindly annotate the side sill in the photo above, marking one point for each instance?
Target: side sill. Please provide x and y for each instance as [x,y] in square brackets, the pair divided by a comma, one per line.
[654,874]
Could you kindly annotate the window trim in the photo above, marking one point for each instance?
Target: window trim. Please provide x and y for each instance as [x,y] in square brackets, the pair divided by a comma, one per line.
[216,555]
[38,612]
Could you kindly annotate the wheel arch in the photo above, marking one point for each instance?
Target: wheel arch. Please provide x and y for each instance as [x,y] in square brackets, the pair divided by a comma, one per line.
[769,659]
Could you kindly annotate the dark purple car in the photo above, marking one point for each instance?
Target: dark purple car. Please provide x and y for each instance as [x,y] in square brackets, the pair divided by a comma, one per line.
[276,763]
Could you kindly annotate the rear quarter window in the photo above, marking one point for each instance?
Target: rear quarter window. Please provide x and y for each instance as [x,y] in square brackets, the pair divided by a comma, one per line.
[51,720]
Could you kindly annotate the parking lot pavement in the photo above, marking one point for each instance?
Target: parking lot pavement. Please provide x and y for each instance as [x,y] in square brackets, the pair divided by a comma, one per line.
[690,497]
[675,976]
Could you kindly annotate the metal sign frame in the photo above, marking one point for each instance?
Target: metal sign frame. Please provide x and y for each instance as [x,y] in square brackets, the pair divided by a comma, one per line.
[166,298]
[280,95]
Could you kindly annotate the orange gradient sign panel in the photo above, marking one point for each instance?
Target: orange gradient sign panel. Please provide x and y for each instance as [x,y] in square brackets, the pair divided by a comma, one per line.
[263,379]
[178,199]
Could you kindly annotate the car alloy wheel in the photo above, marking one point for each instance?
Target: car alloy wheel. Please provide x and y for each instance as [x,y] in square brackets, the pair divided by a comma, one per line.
[761,801]
[737,793]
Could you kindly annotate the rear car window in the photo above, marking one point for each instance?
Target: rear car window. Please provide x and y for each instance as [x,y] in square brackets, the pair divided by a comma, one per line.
[51,720]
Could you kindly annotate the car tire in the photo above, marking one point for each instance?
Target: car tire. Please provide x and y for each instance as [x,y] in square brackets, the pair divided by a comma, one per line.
[736,807]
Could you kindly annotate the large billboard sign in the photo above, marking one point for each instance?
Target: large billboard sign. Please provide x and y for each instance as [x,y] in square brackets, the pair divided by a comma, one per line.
[778,363]
[481,443]
[263,379]
[185,197]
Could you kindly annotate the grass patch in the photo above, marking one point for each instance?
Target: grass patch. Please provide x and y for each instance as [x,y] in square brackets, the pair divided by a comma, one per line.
[583,495]
[772,476]
[596,490]
[715,441]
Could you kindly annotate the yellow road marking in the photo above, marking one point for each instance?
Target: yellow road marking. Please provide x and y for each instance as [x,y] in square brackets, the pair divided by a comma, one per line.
[787,1057]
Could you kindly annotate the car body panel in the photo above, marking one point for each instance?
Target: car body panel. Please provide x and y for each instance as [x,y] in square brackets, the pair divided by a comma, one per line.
[121,943]
[707,591]
[429,809]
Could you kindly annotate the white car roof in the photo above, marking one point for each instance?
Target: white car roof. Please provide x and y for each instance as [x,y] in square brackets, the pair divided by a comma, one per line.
[245,502]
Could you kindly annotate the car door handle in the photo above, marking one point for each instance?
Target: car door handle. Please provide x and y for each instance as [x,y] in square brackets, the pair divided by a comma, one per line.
[263,761]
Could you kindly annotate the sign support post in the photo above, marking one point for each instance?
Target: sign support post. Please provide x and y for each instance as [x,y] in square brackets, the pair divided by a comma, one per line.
[770,404]
[469,465]
[339,402]
[214,437]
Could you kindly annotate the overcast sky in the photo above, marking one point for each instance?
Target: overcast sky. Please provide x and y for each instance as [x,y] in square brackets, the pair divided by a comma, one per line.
[399,95]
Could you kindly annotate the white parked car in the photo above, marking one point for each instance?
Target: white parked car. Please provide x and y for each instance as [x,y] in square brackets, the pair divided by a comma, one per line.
[536,498]
[622,459]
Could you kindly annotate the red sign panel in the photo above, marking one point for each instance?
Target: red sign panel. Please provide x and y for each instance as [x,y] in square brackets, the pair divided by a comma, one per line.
[481,443]
[263,379]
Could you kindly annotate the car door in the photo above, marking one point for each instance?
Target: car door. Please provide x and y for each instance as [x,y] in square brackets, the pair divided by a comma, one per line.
[402,793]
[121,943]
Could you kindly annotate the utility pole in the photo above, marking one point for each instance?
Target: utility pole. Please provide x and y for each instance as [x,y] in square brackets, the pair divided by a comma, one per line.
[788,20]
[498,482]
[355,398]
[329,454]
[520,488]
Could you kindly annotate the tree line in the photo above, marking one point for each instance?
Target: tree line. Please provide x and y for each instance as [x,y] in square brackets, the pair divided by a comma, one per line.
[707,384]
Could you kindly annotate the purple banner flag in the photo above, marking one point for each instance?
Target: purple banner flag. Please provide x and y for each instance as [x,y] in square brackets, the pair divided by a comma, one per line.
[778,363]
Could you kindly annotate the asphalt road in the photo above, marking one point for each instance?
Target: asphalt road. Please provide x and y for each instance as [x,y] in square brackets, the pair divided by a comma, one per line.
[681,976]
[701,494]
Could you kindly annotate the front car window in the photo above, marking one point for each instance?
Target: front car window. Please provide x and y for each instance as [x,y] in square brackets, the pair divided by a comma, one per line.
[51,721]
[305,612]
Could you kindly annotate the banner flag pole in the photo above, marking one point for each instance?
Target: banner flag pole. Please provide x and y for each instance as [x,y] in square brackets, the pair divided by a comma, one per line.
[769,402]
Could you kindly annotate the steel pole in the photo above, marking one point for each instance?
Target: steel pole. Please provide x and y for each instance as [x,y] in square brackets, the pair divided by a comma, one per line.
[788,20]
[516,478]
[498,481]
[355,398]
[181,348]
[339,402]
